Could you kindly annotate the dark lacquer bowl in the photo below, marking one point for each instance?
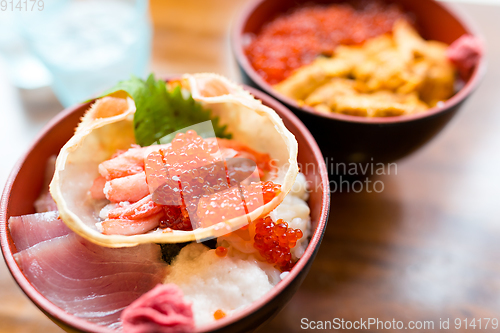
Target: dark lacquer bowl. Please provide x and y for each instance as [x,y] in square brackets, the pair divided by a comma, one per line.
[345,138]
[25,182]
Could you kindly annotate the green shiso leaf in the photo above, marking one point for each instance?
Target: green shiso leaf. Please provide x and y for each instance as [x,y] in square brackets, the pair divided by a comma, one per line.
[161,111]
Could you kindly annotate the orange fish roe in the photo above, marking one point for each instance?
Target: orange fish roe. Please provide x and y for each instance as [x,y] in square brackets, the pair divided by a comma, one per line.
[296,38]
[195,171]
[176,217]
[274,241]
[187,151]
[269,190]
[221,251]
[193,186]
[219,314]
[236,202]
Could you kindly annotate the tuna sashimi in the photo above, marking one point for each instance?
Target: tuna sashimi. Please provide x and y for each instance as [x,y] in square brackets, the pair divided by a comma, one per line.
[28,230]
[87,280]
[45,203]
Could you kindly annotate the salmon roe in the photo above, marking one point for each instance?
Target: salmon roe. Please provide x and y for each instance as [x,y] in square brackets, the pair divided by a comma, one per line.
[296,38]
[187,151]
[269,190]
[195,186]
[274,241]
[176,217]
[219,314]
[221,251]
[235,202]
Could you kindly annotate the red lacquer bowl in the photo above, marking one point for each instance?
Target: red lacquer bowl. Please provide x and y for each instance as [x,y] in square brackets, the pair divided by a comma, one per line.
[351,139]
[25,182]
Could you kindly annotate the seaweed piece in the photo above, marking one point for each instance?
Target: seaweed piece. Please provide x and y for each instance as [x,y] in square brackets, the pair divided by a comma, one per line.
[170,250]
[211,243]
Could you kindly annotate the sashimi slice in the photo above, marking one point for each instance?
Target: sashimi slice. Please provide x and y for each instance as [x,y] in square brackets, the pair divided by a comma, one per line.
[45,203]
[28,230]
[92,282]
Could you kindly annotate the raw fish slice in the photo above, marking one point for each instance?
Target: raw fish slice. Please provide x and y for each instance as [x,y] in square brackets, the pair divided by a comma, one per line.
[68,255]
[28,230]
[90,281]
[103,286]
[45,203]
[105,318]
[96,306]
[77,289]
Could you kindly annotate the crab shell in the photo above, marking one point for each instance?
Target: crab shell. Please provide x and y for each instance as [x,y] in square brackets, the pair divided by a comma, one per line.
[108,126]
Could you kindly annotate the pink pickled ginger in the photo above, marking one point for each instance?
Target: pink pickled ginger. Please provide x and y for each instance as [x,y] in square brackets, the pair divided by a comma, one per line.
[465,53]
[161,310]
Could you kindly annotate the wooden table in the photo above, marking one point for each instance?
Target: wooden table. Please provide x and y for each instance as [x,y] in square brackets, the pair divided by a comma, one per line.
[426,248]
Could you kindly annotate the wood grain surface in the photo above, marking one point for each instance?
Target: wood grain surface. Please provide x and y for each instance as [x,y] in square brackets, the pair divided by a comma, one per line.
[427,248]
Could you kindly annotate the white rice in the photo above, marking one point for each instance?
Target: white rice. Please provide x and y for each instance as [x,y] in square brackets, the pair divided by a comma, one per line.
[212,283]
[233,282]
[295,211]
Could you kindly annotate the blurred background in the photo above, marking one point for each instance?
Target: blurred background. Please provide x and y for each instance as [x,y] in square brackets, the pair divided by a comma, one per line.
[68,51]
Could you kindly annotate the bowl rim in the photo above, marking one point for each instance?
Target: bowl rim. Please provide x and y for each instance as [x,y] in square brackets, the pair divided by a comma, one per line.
[465,21]
[53,311]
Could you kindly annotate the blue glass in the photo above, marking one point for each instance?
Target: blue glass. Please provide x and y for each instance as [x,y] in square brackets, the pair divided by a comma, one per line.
[89,45]
[23,68]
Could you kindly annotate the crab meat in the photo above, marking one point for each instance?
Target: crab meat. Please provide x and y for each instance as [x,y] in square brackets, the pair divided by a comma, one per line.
[124,164]
[139,210]
[130,188]
[130,227]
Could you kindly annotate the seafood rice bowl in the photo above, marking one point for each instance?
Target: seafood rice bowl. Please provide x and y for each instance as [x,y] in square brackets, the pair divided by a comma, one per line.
[165,211]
